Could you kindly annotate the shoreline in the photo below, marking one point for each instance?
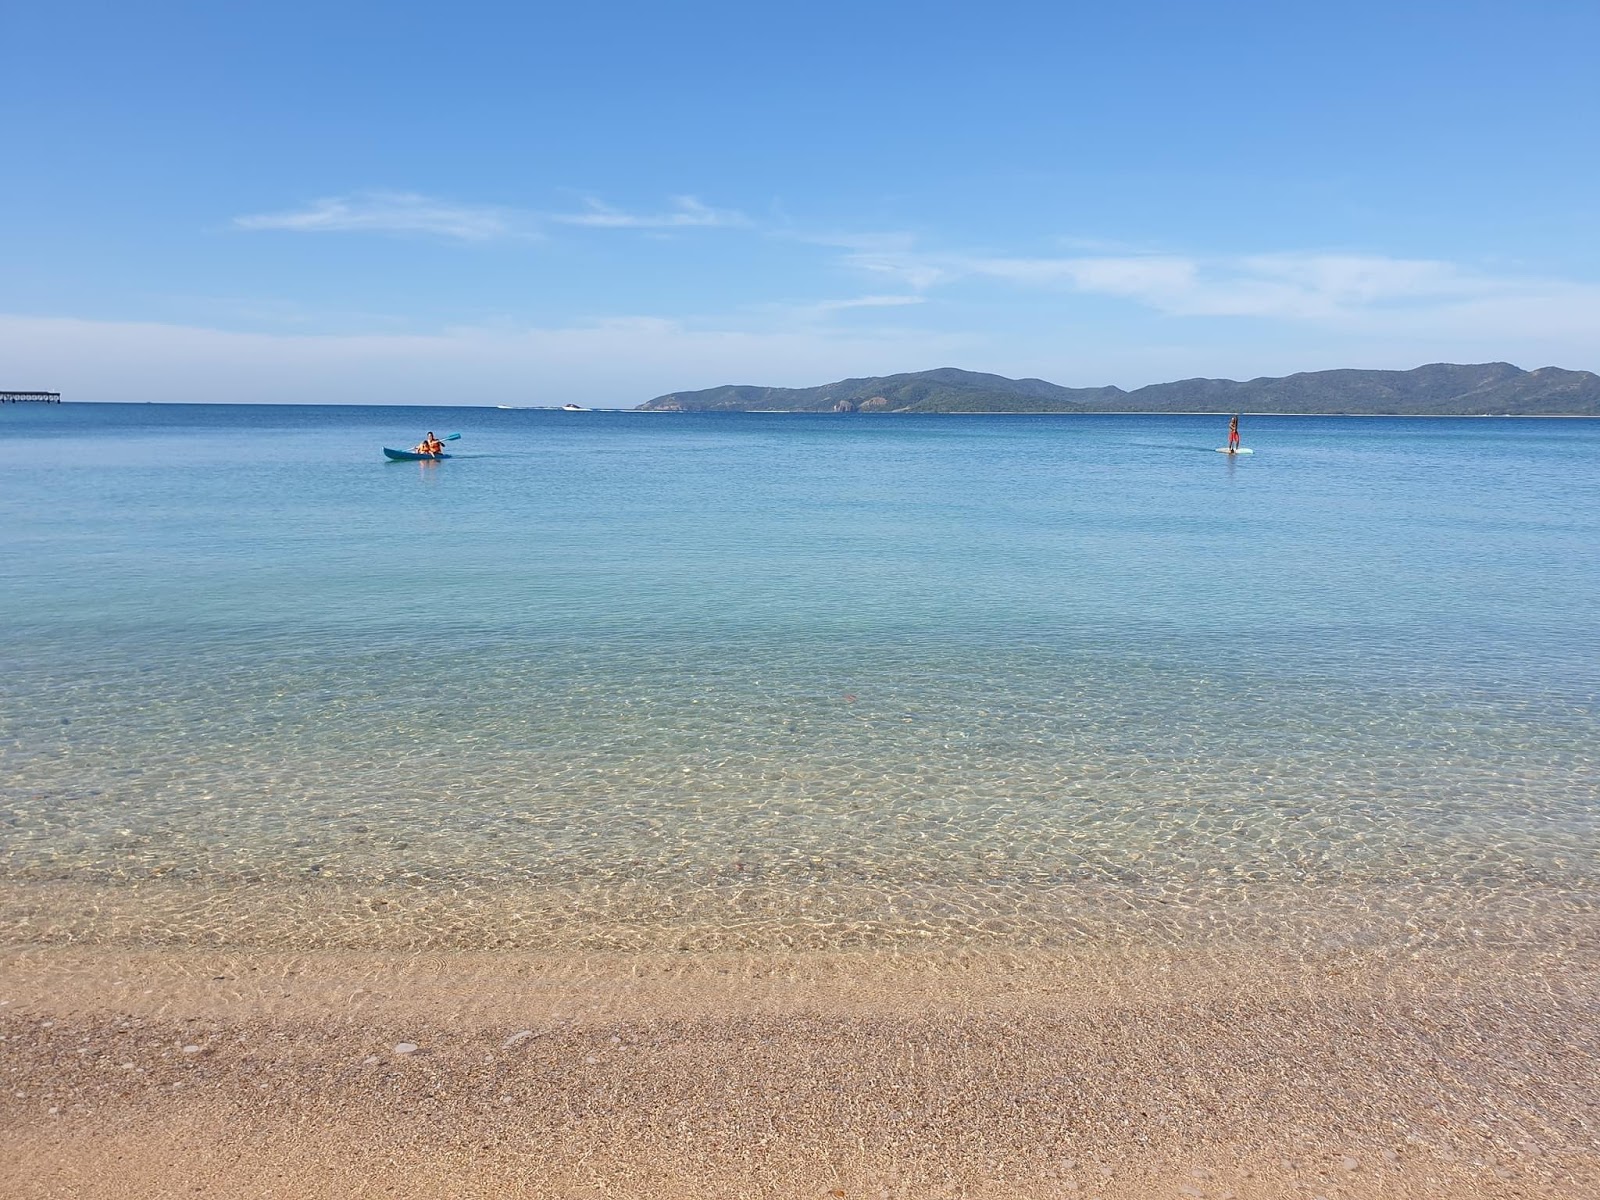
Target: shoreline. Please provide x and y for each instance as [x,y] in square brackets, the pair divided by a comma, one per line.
[1381,917]
[1122,1073]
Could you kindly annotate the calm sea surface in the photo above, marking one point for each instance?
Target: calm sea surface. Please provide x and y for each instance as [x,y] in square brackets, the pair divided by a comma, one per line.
[852,679]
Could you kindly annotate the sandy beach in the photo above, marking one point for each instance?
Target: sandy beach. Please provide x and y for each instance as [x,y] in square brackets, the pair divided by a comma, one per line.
[1114,1073]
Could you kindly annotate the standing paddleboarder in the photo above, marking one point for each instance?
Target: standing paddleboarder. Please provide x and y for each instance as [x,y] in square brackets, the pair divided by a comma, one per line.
[1233,435]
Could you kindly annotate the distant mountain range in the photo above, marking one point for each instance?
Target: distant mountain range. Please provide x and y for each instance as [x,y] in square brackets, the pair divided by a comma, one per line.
[1441,389]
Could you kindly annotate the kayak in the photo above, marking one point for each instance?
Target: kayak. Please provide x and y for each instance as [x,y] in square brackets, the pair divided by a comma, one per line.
[412,455]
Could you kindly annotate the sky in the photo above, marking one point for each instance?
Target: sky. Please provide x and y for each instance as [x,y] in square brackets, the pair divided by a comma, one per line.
[530,204]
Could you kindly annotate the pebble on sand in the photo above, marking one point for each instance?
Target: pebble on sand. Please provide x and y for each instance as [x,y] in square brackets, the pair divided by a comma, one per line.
[405,1048]
[1350,1163]
[516,1039]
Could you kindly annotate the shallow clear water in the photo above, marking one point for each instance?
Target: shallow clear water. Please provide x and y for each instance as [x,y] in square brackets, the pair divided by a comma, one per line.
[764,658]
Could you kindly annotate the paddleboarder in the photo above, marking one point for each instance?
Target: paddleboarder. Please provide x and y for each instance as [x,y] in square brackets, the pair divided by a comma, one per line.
[1233,435]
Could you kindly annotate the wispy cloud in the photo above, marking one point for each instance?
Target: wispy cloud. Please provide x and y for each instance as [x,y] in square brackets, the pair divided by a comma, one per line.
[410,213]
[890,256]
[904,269]
[825,310]
[826,306]
[686,213]
[1295,286]
[396,213]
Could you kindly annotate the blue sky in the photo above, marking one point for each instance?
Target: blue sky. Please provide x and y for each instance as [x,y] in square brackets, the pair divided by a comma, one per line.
[515,204]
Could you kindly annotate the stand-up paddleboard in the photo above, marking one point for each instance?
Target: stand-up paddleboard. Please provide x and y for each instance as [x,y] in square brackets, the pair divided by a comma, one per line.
[1240,450]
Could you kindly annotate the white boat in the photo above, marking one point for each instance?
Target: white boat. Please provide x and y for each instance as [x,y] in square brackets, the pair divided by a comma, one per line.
[573,408]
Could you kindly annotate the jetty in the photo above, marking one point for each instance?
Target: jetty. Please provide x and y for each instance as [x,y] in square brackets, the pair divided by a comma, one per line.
[30,397]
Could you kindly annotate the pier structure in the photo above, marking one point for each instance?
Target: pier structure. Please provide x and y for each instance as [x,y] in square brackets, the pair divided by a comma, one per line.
[30,397]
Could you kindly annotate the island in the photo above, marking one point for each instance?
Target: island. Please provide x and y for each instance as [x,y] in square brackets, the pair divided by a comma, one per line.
[1439,389]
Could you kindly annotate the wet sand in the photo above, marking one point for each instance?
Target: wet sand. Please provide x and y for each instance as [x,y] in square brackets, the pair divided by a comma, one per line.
[1113,1072]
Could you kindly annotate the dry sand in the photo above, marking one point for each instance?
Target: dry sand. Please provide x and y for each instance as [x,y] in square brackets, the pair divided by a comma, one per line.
[1170,1072]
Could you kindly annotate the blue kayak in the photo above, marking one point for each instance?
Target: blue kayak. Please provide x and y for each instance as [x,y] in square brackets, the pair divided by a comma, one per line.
[412,455]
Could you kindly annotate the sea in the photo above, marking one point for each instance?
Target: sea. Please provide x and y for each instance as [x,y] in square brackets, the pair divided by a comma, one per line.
[621,680]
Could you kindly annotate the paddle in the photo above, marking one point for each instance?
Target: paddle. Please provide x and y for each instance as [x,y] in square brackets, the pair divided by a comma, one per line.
[449,437]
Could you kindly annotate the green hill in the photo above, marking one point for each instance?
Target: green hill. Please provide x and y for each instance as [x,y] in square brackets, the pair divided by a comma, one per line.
[944,390]
[1439,389]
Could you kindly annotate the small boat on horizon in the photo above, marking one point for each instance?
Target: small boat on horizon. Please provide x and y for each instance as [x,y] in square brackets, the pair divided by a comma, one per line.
[573,408]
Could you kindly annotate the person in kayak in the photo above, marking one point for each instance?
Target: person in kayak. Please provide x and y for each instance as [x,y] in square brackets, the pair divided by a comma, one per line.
[1233,435]
[429,445]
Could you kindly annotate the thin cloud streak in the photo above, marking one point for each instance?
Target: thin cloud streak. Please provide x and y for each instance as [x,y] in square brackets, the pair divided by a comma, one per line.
[1347,290]
[891,256]
[411,213]
[827,306]
[686,213]
[1285,285]
[394,213]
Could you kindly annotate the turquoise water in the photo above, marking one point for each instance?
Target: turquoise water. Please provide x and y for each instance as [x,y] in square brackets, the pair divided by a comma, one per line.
[847,676]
